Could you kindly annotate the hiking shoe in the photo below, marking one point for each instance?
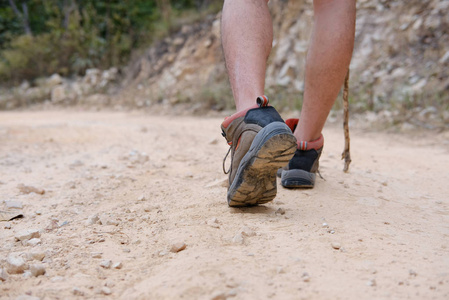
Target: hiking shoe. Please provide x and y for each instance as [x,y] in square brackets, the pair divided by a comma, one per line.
[260,144]
[301,169]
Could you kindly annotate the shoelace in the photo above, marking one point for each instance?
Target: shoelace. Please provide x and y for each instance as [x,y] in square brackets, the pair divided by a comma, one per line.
[224,162]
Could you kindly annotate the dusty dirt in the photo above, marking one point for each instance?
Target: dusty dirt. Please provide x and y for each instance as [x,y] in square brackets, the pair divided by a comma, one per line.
[389,216]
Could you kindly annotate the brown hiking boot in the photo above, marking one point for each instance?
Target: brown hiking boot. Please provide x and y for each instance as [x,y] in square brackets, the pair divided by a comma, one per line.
[301,169]
[260,143]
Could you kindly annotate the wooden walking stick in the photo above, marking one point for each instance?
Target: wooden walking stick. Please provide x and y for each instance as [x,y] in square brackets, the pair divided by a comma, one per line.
[346,155]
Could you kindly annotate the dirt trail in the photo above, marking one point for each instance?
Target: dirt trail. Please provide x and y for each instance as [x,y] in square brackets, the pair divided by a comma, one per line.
[389,214]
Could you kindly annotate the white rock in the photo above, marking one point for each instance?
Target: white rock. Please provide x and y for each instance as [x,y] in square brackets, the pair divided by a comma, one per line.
[246,231]
[238,238]
[36,256]
[336,245]
[53,80]
[117,265]
[106,264]
[33,242]
[3,275]
[96,254]
[106,291]
[213,223]
[178,247]
[27,234]
[13,204]
[77,292]
[58,94]
[15,265]
[37,270]
[94,219]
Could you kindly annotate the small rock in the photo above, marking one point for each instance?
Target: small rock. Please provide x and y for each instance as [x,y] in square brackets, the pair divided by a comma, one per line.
[3,275]
[178,247]
[246,231]
[238,238]
[13,204]
[141,198]
[412,273]
[106,264]
[94,219]
[36,256]
[371,282]
[77,292]
[108,220]
[37,270]
[15,265]
[280,270]
[38,212]
[213,142]
[106,291]
[213,223]
[280,211]
[117,265]
[27,234]
[305,277]
[7,225]
[96,254]
[25,189]
[325,225]
[218,296]
[336,245]
[76,163]
[163,253]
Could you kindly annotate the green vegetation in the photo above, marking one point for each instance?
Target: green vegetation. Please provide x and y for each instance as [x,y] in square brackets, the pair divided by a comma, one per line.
[42,37]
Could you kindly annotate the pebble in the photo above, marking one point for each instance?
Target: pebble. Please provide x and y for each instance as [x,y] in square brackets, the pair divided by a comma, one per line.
[77,292]
[178,247]
[7,225]
[106,264]
[3,275]
[37,270]
[15,265]
[117,265]
[36,256]
[38,212]
[96,254]
[27,234]
[25,189]
[108,220]
[218,296]
[13,204]
[371,282]
[305,277]
[238,238]
[280,211]
[325,225]
[106,291]
[412,273]
[33,242]
[246,231]
[280,270]
[213,223]
[336,245]
[94,219]
[141,198]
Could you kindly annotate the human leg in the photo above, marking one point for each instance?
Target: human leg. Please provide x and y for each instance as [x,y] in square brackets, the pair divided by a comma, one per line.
[247,35]
[260,142]
[327,62]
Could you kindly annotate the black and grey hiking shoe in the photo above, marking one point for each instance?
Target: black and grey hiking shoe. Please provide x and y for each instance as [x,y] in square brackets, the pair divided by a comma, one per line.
[301,169]
[260,143]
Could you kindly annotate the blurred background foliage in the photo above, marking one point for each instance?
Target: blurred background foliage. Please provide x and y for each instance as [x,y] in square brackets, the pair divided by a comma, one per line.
[42,37]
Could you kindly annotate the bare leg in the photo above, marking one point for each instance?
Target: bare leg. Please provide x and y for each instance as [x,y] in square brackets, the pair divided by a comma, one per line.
[247,35]
[327,62]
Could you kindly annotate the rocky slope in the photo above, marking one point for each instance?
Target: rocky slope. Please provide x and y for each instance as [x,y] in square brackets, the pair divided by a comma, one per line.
[399,68]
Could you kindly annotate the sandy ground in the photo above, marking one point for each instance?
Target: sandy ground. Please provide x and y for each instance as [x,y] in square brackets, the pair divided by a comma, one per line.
[156,181]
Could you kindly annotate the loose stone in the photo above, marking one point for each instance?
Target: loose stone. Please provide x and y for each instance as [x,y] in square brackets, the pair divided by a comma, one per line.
[15,265]
[336,245]
[280,211]
[37,270]
[117,265]
[178,247]
[27,234]
[3,275]
[106,264]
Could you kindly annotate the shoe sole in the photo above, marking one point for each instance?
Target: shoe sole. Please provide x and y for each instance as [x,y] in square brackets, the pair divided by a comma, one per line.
[297,178]
[255,180]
